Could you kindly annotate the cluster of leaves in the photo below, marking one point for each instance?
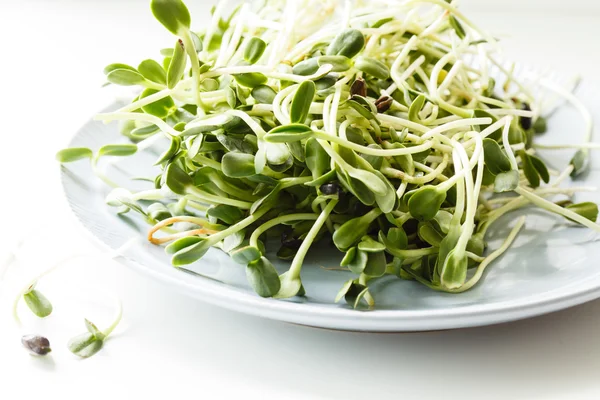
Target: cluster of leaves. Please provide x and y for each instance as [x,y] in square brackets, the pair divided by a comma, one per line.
[84,345]
[254,150]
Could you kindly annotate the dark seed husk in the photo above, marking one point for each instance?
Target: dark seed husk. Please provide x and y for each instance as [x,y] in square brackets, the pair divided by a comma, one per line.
[37,345]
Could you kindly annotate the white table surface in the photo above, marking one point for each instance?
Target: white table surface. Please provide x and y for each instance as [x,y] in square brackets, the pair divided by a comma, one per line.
[169,345]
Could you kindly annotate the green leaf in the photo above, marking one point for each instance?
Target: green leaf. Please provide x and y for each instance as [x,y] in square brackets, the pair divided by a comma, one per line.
[160,108]
[267,201]
[177,65]
[372,67]
[317,159]
[38,303]
[415,108]
[497,134]
[254,50]
[396,239]
[263,277]
[91,328]
[290,286]
[288,133]
[233,241]
[454,271]
[117,150]
[238,165]
[246,255]
[73,154]
[354,293]
[125,77]
[339,63]
[302,101]
[370,246]
[348,43]
[428,233]
[174,147]
[587,210]
[153,71]
[143,132]
[172,14]
[196,41]
[540,125]
[344,290]
[85,345]
[306,67]
[158,211]
[177,179]
[476,244]
[457,26]
[263,94]
[326,82]
[382,22]
[226,213]
[529,170]
[352,231]
[250,79]
[191,253]
[376,264]
[358,264]
[580,162]
[348,257]
[425,202]
[182,243]
[356,187]
[506,181]
[387,201]
[541,168]
[443,220]
[495,158]
[110,68]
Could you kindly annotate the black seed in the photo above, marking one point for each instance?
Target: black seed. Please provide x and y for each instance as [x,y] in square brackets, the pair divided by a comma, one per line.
[37,345]
[329,189]
[359,88]
[525,121]
[383,104]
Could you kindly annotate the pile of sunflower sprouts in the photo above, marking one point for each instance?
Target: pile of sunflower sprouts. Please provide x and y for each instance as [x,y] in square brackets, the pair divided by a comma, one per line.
[389,128]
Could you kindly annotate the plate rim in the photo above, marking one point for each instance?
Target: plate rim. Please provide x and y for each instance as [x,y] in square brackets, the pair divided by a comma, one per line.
[341,318]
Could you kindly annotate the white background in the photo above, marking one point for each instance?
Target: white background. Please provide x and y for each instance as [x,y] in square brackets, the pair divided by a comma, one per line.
[52,55]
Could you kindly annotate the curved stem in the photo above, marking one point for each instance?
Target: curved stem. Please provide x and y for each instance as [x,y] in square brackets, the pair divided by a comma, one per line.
[294,272]
[279,220]
[117,319]
[488,260]
[212,199]
[550,206]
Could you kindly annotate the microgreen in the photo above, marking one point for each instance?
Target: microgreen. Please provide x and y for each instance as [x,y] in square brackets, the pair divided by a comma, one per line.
[380,138]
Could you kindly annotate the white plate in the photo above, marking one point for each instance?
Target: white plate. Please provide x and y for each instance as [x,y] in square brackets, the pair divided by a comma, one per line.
[551,266]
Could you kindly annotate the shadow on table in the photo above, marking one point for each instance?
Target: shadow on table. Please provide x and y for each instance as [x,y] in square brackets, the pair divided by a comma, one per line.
[538,357]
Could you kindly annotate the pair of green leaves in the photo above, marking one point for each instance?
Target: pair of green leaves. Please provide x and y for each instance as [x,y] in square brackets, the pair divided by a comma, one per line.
[126,75]
[78,153]
[353,293]
[89,343]
[367,258]
[534,169]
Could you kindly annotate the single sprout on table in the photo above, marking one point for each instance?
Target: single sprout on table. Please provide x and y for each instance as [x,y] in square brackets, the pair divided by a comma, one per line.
[388,128]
